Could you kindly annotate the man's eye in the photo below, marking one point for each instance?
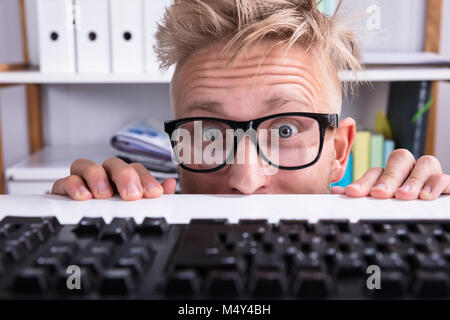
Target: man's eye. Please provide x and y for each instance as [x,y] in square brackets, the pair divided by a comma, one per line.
[286,130]
[211,134]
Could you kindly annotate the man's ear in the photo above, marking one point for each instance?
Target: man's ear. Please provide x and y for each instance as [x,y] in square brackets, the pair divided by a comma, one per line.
[343,140]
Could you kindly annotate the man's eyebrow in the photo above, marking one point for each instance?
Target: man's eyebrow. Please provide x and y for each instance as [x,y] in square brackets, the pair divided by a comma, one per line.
[204,105]
[218,107]
[281,100]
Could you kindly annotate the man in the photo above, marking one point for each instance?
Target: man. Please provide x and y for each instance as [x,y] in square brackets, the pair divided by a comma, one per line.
[244,60]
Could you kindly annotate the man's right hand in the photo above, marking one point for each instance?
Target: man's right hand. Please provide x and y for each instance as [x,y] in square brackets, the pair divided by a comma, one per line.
[89,180]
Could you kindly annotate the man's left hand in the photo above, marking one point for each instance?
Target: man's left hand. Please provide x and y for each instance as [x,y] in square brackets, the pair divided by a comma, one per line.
[404,178]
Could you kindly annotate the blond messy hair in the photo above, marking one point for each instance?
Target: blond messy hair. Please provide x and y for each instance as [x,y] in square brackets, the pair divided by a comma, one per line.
[189,25]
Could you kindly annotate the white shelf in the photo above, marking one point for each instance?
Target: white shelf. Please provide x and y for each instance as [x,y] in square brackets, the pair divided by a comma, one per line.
[34,76]
[36,173]
[387,74]
[52,163]
[377,74]
[380,67]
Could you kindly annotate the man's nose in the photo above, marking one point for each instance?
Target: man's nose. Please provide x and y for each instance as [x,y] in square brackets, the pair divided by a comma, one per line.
[247,174]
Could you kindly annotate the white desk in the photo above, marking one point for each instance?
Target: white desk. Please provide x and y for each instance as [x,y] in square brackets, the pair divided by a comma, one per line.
[181,208]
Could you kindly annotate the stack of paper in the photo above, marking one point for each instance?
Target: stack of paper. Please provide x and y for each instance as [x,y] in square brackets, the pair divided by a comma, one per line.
[142,142]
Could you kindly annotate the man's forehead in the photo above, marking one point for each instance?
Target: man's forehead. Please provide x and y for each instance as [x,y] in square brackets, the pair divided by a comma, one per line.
[264,65]
[265,52]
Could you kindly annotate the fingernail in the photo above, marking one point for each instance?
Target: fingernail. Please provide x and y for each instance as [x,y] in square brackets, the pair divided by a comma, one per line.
[356,185]
[381,186]
[154,188]
[102,188]
[427,189]
[405,188]
[133,190]
[83,192]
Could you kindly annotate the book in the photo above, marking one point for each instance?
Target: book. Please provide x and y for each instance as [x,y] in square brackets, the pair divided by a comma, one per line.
[389,146]
[361,154]
[408,114]
[376,150]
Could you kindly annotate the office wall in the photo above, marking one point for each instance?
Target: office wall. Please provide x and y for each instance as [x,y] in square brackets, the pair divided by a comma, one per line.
[12,99]
[84,115]
[443,116]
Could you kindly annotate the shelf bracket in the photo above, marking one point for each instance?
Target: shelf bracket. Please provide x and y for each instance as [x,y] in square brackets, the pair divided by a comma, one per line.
[432,44]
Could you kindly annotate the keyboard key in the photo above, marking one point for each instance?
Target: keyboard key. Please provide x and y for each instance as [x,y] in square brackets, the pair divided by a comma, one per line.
[52,222]
[15,249]
[89,226]
[390,262]
[182,283]
[253,222]
[140,250]
[52,262]
[95,257]
[117,281]
[224,284]
[393,285]
[30,239]
[430,284]
[134,263]
[343,225]
[42,230]
[104,249]
[207,221]
[308,262]
[268,262]
[119,230]
[349,265]
[154,226]
[312,285]
[7,229]
[268,284]
[68,249]
[31,281]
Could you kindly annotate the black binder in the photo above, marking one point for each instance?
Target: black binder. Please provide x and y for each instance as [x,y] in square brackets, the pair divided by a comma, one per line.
[406,99]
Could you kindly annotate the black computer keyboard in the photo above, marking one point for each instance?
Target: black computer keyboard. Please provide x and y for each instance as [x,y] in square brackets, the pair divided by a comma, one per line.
[208,259]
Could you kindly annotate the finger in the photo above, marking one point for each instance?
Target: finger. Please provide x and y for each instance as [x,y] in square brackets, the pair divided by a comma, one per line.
[398,167]
[73,186]
[337,190]
[424,168]
[151,186]
[362,186]
[169,185]
[125,178]
[436,185]
[95,177]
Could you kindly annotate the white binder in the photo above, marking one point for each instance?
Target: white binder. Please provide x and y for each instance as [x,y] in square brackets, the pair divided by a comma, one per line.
[127,36]
[56,36]
[92,35]
[153,14]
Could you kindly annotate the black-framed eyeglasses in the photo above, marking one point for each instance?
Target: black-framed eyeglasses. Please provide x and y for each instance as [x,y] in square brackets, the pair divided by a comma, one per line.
[288,141]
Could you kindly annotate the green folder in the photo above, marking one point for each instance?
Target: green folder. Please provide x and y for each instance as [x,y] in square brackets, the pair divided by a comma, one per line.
[376,150]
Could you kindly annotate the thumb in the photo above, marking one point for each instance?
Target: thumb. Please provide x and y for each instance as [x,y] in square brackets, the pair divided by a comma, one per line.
[169,185]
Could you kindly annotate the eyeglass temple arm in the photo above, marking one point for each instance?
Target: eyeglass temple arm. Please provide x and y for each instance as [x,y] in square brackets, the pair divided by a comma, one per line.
[334,120]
